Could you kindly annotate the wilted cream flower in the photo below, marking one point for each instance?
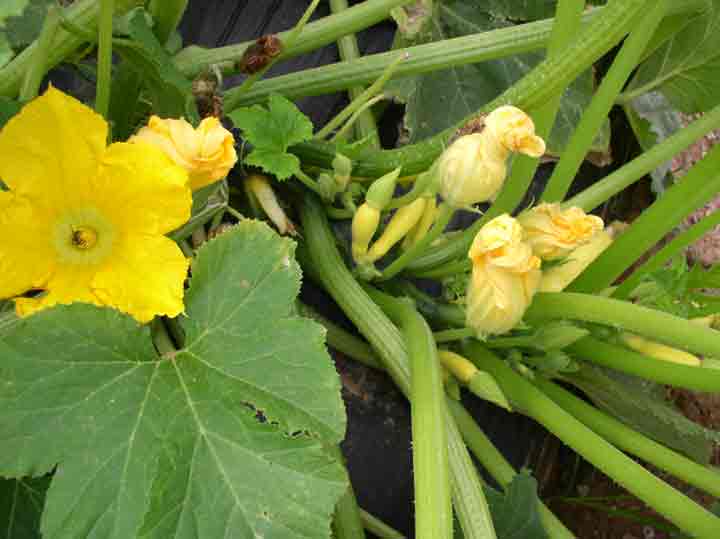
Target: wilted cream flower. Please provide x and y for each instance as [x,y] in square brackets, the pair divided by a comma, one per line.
[553,232]
[659,351]
[505,276]
[207,153]
[473,168]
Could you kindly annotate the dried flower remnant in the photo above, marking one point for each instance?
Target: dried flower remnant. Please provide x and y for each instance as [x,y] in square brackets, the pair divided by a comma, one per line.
[259,55]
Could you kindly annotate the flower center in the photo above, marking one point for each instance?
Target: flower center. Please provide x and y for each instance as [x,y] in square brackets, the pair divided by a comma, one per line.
[83,236]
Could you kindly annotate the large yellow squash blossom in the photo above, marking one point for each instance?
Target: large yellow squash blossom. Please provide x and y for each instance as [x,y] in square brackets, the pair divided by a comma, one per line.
[553,232]
[83,221]
[207,153]
[505,276]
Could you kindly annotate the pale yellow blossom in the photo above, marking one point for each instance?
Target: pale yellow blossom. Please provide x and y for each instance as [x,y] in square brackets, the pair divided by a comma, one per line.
[206,153]
[473,168]
[505,276]
[554,232]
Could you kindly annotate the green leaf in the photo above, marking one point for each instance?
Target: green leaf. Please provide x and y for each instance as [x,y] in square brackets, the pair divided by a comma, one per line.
[170,92]
[641,405]
[653,119]
[21,504]
[8,109]
[700,277]
[437,100]
[515,514]
[686,69]
[225,438]
[272,131]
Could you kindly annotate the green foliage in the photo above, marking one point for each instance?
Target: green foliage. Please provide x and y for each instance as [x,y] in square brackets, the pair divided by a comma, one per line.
[641,405]
[686,69]
[653,119]
[437,100]
[21,504]
[272,131]
[170,92]
[515,514]
[8,109]
[226,434]
[672,289]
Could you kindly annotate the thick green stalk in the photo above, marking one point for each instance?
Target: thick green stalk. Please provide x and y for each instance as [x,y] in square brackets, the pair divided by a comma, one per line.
[633,442]
[444,314]
[631,172]
[347,523]
[381,333]
[167,15]
[433,508]
[546,80]
[34,76]
[630,362]
[341,340]
[679,509]
[567,19]
[423,58]
[596,113]
[659,259]
[696,188]
[83,13]
[500,469]
[348,49]
[656,325]
[378,528]
[193,60]
[104,60]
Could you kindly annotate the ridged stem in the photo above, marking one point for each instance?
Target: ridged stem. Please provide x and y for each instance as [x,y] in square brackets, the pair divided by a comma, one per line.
[603,100]
[381,333]
[633,442]
[682,511]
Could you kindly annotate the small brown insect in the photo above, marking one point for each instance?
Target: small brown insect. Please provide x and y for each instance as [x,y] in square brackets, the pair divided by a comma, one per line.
[258,55]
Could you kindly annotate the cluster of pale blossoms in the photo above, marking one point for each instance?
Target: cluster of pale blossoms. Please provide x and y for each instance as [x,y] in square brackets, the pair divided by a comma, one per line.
[507,253]
[84,221]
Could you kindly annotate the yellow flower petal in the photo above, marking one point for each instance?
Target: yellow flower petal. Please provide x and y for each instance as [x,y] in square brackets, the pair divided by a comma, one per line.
[49,151]
[145,278]
[497,299]
[140,189]
[70,284]
[26,257]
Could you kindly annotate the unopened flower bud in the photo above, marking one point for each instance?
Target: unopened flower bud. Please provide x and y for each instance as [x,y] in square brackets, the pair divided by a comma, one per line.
[553,232]
[342,167]
[206,152]
[659,351]
[473,168]
[382,190]
[263,192]
[367,217]
[426,222]
[555,279]
[402,222]
[505,276]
